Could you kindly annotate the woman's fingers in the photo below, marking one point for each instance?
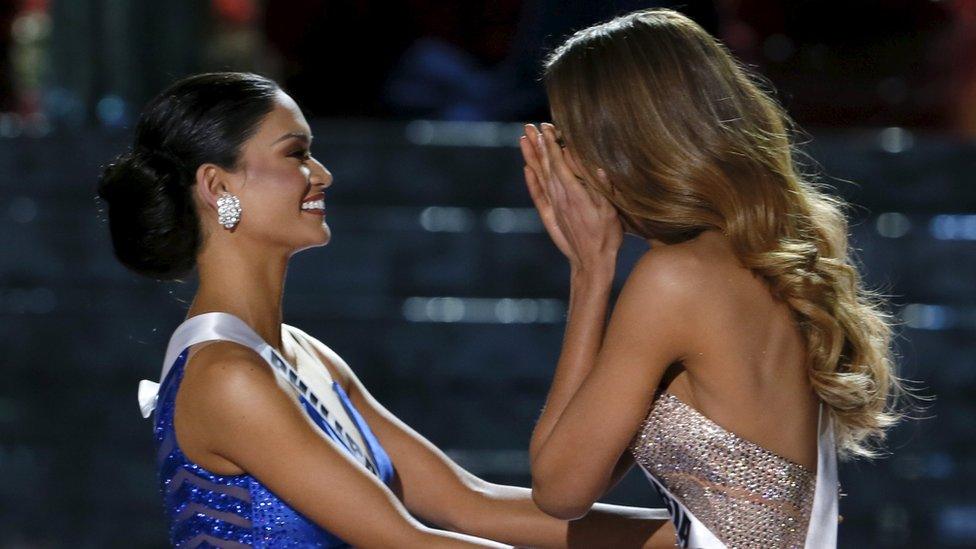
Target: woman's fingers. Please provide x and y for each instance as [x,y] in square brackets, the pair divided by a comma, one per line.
[553,190]
[538,195]
[570,187]
[528,148]
[588,189]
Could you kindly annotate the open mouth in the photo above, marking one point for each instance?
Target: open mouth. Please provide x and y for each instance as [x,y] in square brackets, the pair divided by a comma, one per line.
[316,205]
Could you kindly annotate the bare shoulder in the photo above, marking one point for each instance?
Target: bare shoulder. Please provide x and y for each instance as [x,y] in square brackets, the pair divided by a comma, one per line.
[669,273]
[220,381]
[225,387]
[225,369]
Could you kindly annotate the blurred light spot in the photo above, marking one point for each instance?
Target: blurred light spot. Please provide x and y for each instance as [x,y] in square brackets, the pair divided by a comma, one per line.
[926,317]
[37,125]
[452,133]
[483,310]
[893,225]
[420,132]
[22,209]
[11,124]
[934,465]
[446,220]
[31,27]
[956,524]
[64,106]
[437,309]
[239,12]
[523,311]
[953,227]
[513,220]
[778,47]
[939,465]
[895,140]
[111,111]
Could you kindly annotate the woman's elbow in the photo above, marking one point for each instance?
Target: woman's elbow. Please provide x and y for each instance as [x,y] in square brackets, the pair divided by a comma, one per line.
[561,505]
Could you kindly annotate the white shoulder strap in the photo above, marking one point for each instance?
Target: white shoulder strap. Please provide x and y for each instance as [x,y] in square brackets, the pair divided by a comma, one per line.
[314,385]
[196,329]
[822,530]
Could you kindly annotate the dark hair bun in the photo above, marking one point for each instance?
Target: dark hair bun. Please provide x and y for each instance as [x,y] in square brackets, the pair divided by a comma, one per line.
[154,227]
[149,191]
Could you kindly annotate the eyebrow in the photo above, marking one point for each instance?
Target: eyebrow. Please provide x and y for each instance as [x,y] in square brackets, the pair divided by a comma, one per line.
[303,136]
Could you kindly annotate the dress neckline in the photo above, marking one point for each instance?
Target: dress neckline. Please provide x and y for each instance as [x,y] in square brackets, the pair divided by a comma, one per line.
[757,447]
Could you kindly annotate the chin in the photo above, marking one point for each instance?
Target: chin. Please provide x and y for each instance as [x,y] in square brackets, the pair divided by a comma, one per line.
[326,236]
[323,237]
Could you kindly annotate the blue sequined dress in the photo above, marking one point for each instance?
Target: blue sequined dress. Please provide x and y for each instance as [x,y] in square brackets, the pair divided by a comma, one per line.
[205,509]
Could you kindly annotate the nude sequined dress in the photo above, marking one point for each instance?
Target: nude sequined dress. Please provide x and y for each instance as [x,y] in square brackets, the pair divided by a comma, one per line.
[723,491]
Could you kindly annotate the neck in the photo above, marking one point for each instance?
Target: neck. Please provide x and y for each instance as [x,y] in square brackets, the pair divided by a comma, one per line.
[245,283]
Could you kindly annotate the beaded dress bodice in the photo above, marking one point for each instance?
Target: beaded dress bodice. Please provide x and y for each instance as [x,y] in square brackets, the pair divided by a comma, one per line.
[743,494]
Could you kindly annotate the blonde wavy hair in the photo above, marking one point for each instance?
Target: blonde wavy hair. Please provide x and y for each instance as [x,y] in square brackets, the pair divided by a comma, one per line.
[690,141]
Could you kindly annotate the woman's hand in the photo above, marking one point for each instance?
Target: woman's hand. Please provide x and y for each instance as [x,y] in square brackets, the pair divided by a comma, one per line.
[582,223]
[529,143]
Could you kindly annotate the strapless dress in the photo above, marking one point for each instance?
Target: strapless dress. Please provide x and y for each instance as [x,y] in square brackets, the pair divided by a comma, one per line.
[723,491]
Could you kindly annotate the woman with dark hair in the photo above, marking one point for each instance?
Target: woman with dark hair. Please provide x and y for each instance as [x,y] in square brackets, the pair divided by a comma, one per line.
[743,353]
[265,437]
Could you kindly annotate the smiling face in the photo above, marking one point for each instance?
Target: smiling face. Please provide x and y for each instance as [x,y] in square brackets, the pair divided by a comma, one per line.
[277,174]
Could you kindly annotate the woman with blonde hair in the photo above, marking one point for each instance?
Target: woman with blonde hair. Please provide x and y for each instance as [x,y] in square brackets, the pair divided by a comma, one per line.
[743,353]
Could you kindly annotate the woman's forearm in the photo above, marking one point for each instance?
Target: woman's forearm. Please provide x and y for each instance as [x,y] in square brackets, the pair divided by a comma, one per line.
[507,514]
[586,322]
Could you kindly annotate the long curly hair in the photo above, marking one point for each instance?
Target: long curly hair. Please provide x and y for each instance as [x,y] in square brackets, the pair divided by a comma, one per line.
[690,141]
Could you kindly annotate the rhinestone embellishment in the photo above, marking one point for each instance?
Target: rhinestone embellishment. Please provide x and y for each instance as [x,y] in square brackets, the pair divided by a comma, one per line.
[228,210]
[745,494]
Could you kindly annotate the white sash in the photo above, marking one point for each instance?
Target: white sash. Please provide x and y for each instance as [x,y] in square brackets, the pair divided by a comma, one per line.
[225,326]
[822,530]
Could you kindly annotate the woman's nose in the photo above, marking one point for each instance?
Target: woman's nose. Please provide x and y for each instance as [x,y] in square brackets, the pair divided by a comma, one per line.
[321,175]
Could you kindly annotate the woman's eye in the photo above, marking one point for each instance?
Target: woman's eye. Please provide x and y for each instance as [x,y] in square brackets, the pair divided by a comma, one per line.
[302,154]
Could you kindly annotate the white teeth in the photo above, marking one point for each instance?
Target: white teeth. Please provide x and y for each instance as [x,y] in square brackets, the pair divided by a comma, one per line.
[314,205]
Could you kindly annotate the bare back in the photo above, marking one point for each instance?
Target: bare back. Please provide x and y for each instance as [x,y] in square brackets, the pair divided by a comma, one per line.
[746,369]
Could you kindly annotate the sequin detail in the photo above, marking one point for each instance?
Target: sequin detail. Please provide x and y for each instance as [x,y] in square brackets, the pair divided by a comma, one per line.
[746,495]
[205,509]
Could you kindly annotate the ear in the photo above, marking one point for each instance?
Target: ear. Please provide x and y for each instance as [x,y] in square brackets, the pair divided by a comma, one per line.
[211,183]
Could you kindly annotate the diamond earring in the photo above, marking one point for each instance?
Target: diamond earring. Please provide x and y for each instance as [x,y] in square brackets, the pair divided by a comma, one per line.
[228,210]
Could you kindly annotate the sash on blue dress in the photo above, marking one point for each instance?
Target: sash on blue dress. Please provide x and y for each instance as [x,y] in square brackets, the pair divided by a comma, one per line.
[228,327]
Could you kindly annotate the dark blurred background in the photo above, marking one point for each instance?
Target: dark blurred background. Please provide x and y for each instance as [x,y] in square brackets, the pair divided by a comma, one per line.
[439,286]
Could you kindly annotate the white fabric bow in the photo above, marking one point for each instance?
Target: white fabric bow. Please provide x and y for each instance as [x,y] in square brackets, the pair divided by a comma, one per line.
[148,395]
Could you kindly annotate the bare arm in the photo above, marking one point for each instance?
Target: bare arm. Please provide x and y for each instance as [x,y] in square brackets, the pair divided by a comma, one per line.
[603,383]
[443,493]
[590,241]
[589,294]
[649,329]
[247,419]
